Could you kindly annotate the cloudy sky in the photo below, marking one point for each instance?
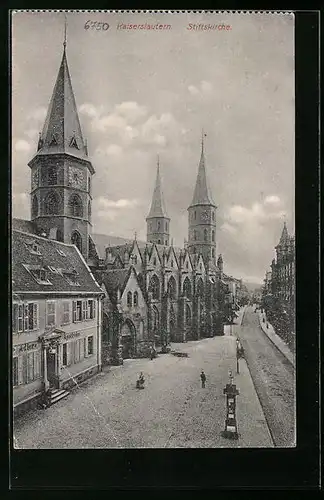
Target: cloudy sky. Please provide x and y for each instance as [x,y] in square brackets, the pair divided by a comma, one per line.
[143,93]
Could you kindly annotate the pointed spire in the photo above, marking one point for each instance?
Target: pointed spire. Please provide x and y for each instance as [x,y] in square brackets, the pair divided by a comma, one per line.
[202,194]
[158,206]
[284,238]
[65,26]
[62,130]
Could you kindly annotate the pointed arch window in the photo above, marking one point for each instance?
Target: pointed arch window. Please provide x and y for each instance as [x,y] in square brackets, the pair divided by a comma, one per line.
[187,288]
[51,205]
[213,215]
[205,234]
[129,299]
[154,287]
[34,207]
[76,240]
[158,225]
[195,215]
[89,211]
[213,235]
[135,298]
[89,184]
[52,176]
[213,252]
[172,288]
[166,227]
[75,206]
[195,235]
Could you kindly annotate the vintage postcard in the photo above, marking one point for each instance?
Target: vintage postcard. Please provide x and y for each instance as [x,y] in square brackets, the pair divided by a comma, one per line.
[153,250]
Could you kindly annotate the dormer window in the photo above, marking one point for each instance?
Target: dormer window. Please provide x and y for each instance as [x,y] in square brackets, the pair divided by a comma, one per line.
[61,252]
[73,143]
[33,247]
[39,273]
[71,277]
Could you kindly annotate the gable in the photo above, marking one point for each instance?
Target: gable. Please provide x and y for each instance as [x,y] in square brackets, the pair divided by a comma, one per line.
[187,265]
[172,261]
[132,285]
[155,259]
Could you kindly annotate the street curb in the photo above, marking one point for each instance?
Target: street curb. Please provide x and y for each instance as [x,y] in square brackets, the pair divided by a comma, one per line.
[276,340]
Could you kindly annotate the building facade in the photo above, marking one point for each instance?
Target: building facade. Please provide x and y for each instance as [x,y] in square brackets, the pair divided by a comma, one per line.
[56,318]
[278,295]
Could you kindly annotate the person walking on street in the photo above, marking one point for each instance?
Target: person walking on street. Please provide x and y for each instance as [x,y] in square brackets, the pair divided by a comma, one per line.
[203,379]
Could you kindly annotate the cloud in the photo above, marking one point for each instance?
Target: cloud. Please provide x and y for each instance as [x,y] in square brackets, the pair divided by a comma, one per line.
[203,89]
[32,133]
[121,203]
[272,200]
[228,228]
[131,110]
[22,145]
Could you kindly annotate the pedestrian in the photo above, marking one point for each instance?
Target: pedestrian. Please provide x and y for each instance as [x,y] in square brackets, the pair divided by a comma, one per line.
[203,379]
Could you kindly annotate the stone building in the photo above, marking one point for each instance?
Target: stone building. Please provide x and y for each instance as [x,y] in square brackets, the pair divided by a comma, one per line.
[279,288]
[182,289]
[56,319]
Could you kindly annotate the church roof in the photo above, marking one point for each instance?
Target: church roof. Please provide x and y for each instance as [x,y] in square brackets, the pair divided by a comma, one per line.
[62,130]
[158,205]
[116,279]
[30,253]
[202,193]
[284,238]
[23,225]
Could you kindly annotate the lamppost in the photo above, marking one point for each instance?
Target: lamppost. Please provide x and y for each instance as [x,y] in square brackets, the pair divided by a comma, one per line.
[230,431]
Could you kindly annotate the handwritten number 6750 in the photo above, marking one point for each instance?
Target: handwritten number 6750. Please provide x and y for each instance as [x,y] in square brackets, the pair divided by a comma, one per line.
[96,25]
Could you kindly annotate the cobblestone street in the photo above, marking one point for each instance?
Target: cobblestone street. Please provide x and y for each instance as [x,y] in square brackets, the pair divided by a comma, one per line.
[173,410]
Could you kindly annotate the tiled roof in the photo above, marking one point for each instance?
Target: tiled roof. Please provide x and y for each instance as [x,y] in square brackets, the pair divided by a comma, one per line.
[23,281]
[23,225]
[115,279]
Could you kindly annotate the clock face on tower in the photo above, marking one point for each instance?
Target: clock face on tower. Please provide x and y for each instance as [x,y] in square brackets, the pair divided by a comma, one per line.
[35,178]
[205,216]
[76,177]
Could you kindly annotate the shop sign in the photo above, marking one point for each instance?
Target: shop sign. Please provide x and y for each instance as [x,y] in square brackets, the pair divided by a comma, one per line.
[71,335]
[31,346]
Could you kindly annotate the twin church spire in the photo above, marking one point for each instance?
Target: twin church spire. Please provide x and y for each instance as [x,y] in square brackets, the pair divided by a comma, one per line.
[201,212]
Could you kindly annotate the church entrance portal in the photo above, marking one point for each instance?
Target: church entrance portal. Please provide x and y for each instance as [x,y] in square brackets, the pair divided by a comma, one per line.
[128,340]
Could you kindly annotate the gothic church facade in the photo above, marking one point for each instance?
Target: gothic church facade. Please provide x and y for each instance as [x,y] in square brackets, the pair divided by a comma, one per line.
[182,288]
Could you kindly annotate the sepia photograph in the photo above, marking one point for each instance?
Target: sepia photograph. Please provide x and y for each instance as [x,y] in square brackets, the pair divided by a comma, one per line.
[153,230]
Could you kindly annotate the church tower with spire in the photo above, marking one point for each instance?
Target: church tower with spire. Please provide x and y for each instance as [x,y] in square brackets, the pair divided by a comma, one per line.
[202,215]
[158,222]
[61,171]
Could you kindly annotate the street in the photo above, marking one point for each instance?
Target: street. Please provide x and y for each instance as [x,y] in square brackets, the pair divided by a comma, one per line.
[274,379]
[173,411]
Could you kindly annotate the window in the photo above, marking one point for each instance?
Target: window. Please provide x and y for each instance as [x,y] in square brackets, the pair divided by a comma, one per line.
[134,259]
[154,287]
[39,274]
[195,215]
[34,207]
[89,184]
[135,299]
[194,249]
[50,313]
[52,176]
[75,206]
[172,288]
[159,242]
[84,310]
[26,367]
[205,234]
[91,309]
[213,235]
[129,299]
[64,360]
[154,261]
[158,225]
[33,247]
[213,252]
[213,215]
[17,318]
[166,227]
[31,316]
[166,242]
[195,234]
[71,277]
[53,141]
[171,263]
[15,371]
[51,204]
[90,345]
[66,318]
[187,265]
[77,310]
[76,240]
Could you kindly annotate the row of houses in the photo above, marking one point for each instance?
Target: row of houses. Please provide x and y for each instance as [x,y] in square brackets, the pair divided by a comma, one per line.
[278,292]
